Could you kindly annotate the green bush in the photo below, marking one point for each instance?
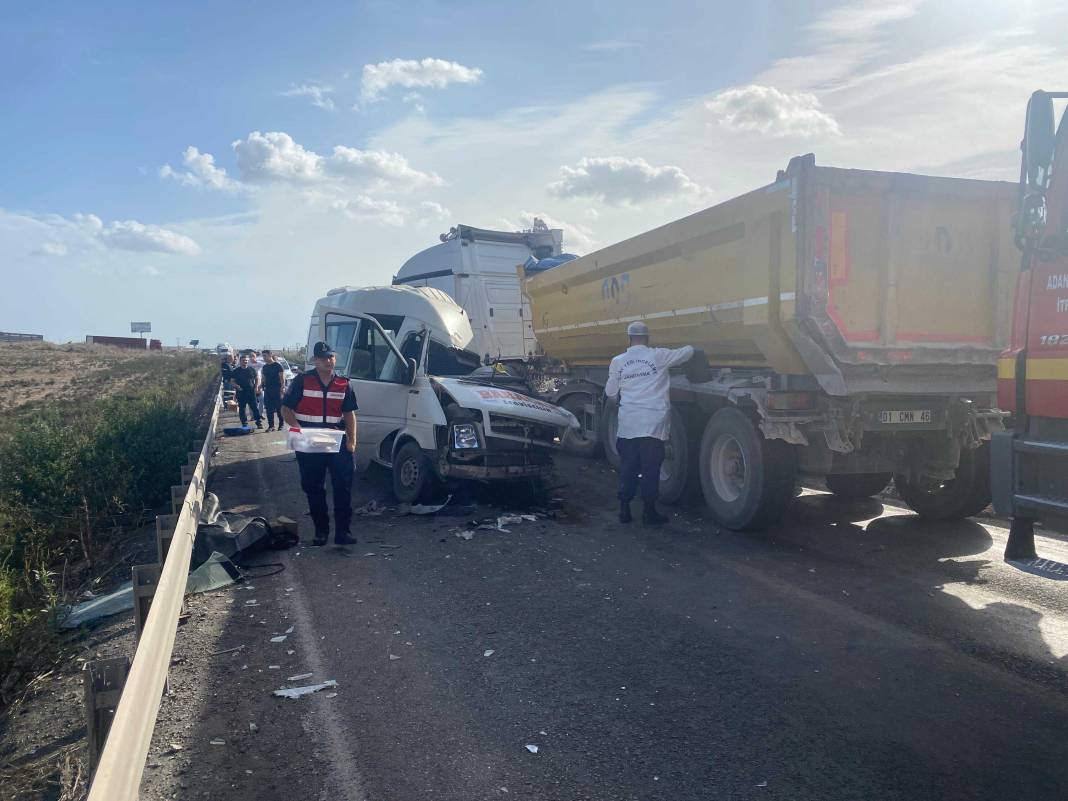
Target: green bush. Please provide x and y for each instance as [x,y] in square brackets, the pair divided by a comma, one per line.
[70,475]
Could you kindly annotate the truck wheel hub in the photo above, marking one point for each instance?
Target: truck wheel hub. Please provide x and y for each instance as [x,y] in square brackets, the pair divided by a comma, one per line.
[728,468]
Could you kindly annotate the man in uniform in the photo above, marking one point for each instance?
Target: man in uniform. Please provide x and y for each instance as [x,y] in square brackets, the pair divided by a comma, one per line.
[640,378]
[321,399]
[273,380]
[246,381]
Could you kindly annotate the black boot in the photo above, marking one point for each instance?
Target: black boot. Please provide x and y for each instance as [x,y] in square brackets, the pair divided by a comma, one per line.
[651,517]
[624,512]
[344,538]
[320,538]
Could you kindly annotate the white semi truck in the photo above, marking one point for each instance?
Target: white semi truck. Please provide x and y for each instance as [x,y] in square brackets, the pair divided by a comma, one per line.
[428,410]
[478,269]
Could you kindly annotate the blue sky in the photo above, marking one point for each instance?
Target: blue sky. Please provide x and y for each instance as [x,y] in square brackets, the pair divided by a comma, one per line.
[605,117]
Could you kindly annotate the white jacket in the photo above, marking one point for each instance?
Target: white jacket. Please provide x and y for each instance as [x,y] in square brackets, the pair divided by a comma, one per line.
[640,378]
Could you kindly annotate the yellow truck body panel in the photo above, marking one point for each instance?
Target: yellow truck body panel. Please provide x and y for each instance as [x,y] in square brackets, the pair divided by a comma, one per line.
[852,276]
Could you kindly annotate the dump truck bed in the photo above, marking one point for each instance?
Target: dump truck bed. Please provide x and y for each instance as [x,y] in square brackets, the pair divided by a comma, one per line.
[868,281]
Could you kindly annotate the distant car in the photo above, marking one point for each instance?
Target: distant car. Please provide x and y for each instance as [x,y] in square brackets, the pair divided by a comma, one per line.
[287,369]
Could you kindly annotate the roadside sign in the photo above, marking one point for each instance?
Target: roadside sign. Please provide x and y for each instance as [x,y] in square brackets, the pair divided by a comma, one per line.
[140,328]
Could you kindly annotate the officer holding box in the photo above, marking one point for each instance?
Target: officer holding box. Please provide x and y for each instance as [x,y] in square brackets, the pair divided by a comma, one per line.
[322,399]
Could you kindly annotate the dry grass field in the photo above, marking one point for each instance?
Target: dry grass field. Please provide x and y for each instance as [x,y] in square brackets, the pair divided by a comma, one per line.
[34,373]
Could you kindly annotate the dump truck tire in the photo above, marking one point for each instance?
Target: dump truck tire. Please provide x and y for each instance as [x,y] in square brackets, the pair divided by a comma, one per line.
[966,495]
[857,486]
[584,444]
[748,481]
[677,480]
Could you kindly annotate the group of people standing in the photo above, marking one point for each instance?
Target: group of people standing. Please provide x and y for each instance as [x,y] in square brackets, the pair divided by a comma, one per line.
[258,380]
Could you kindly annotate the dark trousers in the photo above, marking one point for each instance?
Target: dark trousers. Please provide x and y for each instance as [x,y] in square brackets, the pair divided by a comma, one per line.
[641,456]
[313,470]
[245,398]
[272,401]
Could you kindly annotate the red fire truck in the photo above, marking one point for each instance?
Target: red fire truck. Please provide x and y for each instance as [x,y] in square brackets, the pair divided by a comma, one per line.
[1029,463]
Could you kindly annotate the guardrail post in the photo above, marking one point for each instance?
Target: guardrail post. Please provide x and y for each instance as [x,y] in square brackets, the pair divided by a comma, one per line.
[144,580]
[178,492]
[104,681]
[165,525]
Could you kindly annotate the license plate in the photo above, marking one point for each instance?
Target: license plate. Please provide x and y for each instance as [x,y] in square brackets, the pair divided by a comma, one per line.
[905,416]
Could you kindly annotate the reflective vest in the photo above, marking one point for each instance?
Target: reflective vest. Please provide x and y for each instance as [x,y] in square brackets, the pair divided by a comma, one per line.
[319,409]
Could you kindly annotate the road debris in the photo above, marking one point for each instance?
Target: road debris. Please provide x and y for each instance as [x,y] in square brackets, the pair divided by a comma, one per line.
[300,676]
[233,650]
[488,652]
[297,692]
[393,657]
[372,507]
[217,741]
[532,748]
[253,728]
[465,535]
[428,509]
[279,638]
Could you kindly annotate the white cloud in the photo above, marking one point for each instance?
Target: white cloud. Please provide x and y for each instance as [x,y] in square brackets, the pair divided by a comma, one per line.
[201,173]
[132,235]
[320,95]
[432,210]
[376,165]
[363,207]
[858,20]
[82,234]
[622,181]
[51,249]
[429,73]
[275,157]
[766,110]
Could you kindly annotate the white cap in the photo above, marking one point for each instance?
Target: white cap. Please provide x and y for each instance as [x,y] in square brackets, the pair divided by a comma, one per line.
[637,329]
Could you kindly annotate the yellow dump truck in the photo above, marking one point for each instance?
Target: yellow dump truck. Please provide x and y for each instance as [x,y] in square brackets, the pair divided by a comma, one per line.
[848,324]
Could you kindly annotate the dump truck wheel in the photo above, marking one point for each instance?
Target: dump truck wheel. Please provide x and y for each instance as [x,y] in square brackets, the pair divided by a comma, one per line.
[412,474]
[748,481]
[857,486]
[583,443]
[677,473]
[609,429]
[966,495]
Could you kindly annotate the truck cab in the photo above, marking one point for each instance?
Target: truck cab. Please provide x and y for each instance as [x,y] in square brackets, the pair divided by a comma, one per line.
[427,410]
[1030,463]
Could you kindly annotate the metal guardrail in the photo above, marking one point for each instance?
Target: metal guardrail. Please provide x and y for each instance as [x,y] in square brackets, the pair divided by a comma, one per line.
[122,761]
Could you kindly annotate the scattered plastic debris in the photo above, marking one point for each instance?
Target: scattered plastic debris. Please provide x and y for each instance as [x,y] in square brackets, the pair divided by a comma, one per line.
[297,692]
[428,509]
[532,748]
[331,695]
[216,741]
[279,638]
[465,535]
[372,507]
[290,629]
[762,784]
[274,667]
[253,728]
[300,676]
[393,657]
[488,652]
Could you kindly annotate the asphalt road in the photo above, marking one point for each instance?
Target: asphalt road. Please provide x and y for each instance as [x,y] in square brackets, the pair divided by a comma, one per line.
[853,652]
